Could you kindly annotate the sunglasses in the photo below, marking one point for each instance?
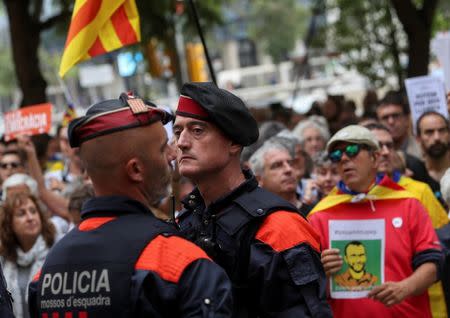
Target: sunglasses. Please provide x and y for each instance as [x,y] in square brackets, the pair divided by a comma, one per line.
[12,165]
[350,150]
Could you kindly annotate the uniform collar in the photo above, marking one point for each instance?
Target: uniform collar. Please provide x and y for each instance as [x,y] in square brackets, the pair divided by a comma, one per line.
[112,205]
[194,199]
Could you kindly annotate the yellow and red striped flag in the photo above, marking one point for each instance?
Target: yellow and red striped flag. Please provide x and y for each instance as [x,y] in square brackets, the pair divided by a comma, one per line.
[97,27]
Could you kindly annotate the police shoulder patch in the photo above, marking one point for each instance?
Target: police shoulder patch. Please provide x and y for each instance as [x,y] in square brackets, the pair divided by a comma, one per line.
[169,257]
[283,230]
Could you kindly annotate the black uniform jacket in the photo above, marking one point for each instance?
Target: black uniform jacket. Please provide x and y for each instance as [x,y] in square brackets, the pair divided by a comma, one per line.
[269,251]
[123,262]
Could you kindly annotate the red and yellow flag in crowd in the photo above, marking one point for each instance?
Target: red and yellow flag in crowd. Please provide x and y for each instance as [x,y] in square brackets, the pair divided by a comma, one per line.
[69,115]
[98,27]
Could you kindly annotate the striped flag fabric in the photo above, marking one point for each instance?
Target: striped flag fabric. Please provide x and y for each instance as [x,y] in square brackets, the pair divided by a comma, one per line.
[98,27]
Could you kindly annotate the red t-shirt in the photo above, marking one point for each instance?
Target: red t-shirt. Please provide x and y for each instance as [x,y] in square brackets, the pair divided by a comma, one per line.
[414,235]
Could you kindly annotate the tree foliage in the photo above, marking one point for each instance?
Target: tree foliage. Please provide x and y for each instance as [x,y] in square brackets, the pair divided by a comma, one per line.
[277,25]
[26,24]
[158,19]
[384,38]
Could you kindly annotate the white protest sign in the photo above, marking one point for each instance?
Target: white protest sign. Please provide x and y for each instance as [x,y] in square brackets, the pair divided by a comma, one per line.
[361,244]
[440,46]
[426,93]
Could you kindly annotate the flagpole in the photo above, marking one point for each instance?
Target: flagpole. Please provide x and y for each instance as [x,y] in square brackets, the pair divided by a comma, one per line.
[65,90]
[200,33]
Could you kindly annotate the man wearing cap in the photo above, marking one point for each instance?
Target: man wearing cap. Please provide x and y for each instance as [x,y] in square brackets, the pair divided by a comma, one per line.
[121,261]
[376,210]
[266,247]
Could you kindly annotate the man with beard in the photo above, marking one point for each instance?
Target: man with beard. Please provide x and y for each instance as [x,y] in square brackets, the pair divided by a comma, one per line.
[267,248]
[356,276]
[121,261]
[433,135]
[419,189]
[422,192]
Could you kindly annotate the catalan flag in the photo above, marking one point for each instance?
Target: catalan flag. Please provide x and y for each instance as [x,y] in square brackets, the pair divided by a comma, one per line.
[69,115]
[98,27]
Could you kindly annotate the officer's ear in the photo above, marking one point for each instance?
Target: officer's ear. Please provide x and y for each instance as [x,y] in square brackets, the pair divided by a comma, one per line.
[259,179]
[235,148]
[135,170]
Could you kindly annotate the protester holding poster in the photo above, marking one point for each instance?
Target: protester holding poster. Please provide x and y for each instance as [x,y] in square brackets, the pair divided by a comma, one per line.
[379,246]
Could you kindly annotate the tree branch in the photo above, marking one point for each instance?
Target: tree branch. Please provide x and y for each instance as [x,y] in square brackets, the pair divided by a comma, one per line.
[54,19]
[428,10]
[408,15]
[36,14]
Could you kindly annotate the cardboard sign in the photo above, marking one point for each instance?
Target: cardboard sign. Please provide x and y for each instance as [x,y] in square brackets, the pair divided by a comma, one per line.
[31,120]
[426,93]
[440,46]
[361,244]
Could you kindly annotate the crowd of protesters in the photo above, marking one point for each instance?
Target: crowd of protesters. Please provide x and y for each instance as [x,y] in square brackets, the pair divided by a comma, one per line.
[306,159]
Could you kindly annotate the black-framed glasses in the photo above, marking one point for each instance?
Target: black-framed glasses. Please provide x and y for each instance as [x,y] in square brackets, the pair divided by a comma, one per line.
[12,165]
[388,145]
[350,150]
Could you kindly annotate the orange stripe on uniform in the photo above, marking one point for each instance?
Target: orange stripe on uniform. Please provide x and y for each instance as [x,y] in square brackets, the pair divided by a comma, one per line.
[93,223]
[83,17]
[122,26]
[283,230]
[36,276]
[169,256]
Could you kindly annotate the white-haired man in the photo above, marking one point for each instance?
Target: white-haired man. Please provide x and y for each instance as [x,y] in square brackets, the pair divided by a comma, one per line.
[272,166]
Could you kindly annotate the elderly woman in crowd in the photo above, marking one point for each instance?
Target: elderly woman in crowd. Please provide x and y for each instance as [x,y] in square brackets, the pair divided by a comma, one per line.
[313,134]
[26,236]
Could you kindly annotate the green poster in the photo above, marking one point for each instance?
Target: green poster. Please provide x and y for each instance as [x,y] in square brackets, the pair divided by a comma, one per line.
[361,246]
[361,269]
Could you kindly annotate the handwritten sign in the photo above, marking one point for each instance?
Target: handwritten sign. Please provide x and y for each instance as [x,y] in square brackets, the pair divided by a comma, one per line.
[426,93]
[361,244]
[31,120]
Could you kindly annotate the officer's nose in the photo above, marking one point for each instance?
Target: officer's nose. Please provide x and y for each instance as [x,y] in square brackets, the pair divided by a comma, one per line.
[183,141]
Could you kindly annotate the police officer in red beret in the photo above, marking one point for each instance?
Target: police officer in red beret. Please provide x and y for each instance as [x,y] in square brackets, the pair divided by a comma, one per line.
[121,261]
[269,251]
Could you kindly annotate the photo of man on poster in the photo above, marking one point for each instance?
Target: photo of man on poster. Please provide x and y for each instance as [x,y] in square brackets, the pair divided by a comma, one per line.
[355,277]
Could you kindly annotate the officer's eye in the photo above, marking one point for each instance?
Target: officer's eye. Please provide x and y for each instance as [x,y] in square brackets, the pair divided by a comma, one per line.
[197,130]
[177,133]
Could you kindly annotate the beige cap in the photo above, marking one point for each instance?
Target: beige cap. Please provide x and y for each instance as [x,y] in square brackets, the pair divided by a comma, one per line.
[354,134]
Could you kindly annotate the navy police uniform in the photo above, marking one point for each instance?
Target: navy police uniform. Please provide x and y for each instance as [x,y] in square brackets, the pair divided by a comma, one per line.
[269,251]
[122,261]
